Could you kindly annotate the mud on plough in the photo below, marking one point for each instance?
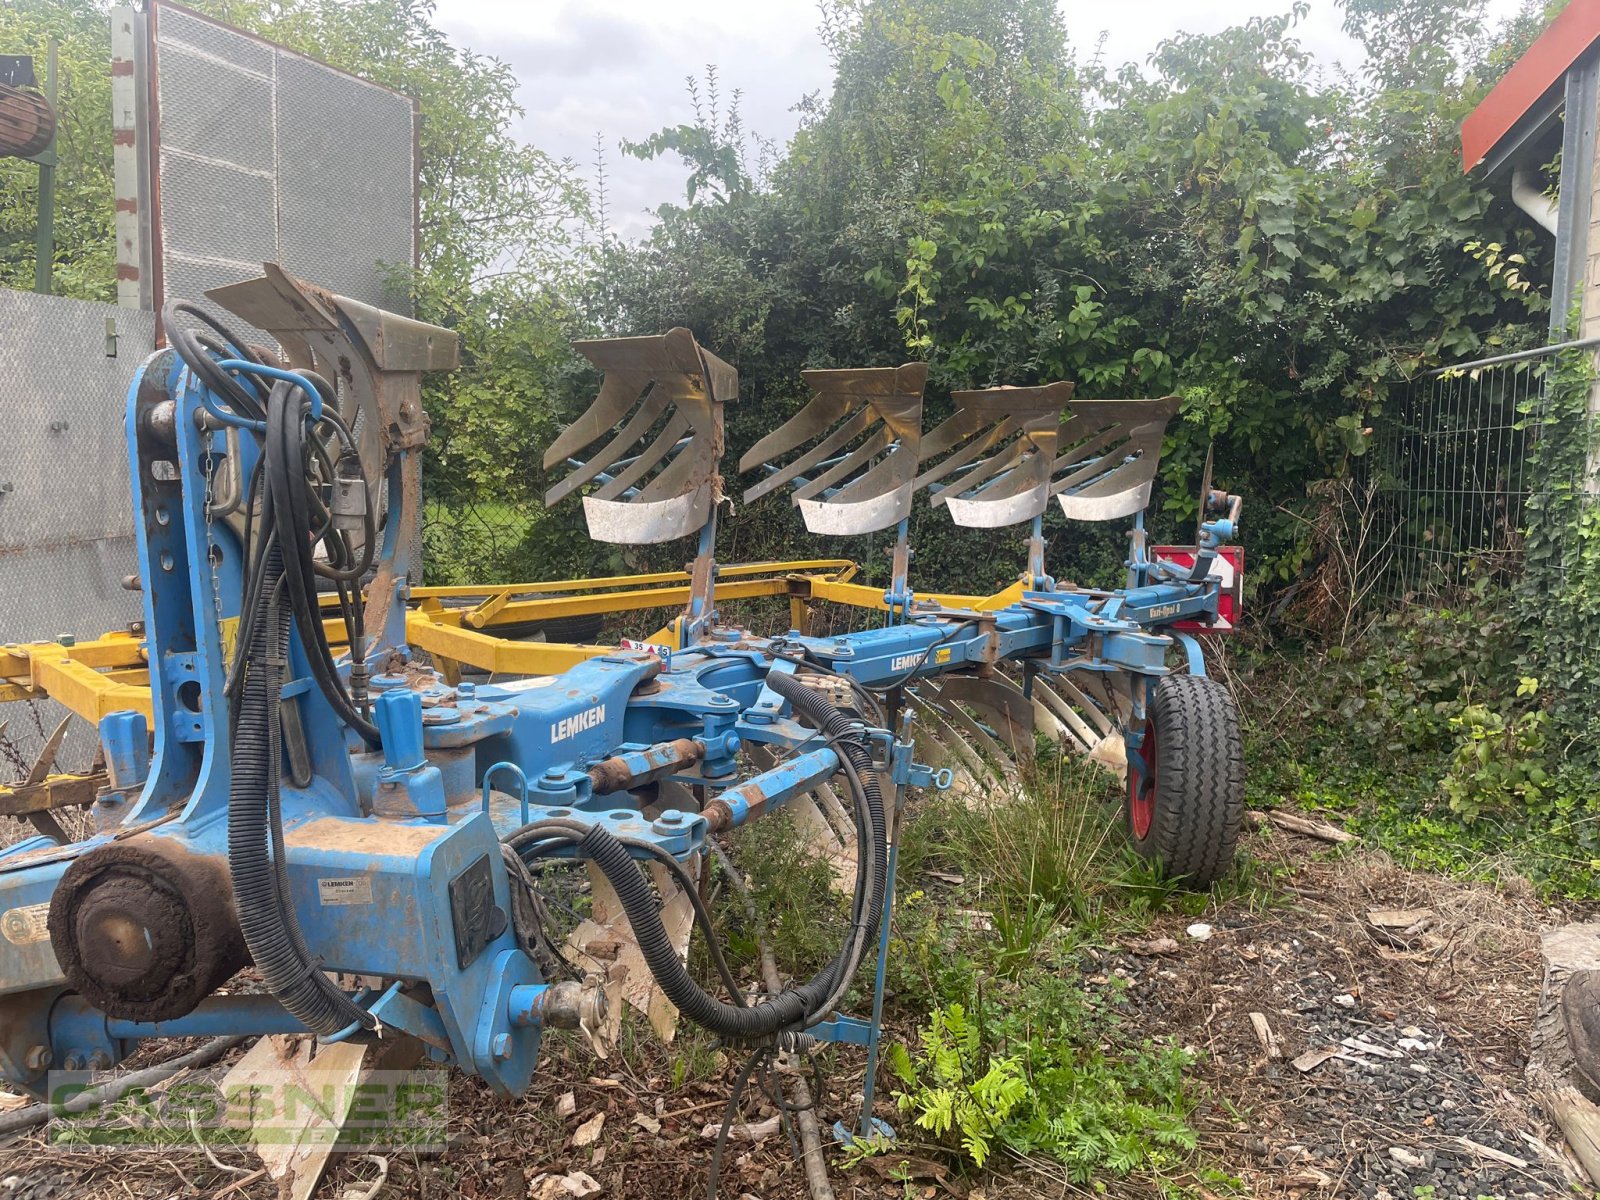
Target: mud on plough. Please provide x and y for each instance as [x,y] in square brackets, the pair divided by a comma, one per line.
[311,784]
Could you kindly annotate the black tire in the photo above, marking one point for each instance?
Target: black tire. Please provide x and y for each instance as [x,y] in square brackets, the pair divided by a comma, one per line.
[1188,820]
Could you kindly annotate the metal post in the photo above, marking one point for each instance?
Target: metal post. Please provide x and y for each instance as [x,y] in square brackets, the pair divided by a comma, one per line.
[1576,192]
[1136,548]
[898,597]
[1035,579]
[700,613]
[870,1126]
[44,246]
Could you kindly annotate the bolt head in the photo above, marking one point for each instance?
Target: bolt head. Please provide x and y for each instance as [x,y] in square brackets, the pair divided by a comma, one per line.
[73,1062]
[39,1057]
[502,1046]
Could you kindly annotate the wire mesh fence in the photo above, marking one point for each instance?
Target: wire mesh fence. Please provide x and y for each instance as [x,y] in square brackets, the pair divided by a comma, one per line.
[1447,477]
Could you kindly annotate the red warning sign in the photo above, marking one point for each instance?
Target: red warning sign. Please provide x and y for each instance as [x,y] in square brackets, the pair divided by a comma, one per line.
[1228,569]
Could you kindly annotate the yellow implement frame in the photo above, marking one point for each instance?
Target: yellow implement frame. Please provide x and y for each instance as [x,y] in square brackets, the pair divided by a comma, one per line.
[110,673]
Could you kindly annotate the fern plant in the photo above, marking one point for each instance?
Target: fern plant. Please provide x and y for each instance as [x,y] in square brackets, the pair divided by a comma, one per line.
[1043,1092]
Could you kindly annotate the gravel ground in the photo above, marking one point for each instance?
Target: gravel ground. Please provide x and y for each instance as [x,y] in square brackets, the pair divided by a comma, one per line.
[1430,1030]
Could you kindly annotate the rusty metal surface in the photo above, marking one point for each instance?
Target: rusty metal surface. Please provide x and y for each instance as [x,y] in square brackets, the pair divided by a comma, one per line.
[1006,715]
[51,792]
[872,419]
[27,122]
[374,360]
[660,411]
[990,461]
[1108,452]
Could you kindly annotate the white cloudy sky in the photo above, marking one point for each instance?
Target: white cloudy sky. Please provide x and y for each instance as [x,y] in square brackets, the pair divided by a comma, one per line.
[617,67]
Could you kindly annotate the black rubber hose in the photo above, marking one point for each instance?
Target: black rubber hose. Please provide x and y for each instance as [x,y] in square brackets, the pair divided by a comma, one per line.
[265,916]
[789,1009]
[285,474]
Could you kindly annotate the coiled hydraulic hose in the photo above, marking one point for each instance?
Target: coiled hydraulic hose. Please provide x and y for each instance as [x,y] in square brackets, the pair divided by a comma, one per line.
[795,1007]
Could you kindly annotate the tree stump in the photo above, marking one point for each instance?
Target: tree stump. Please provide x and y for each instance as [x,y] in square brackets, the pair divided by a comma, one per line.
[1564,1049]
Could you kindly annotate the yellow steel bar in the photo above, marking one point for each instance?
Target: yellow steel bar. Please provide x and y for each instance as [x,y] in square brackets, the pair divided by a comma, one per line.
[857,596]
[484,613]
[490,653]
[1001,599]
[841,569]
[113,650]
[54,791]
[71,674]
[85,691]
[607,602]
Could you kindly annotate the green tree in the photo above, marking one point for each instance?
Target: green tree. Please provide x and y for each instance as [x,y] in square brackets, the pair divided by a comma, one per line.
[85,242]
[1227,226]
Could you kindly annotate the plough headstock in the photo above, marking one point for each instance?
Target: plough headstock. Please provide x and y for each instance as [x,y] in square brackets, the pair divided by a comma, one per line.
[662,399]
[865,465]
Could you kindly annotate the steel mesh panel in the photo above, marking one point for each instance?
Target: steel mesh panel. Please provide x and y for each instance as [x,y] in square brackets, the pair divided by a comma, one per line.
[190,30]
[1448,472]
[242,230]
[266,155]
[346,187]
[218,107]
[66,521]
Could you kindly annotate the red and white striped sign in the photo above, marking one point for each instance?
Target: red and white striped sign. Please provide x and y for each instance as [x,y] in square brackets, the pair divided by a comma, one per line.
[1228,569]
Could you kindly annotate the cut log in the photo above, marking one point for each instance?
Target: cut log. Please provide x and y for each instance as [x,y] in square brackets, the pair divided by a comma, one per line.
[1579,1121]
[1557,1044]
[1564,1049]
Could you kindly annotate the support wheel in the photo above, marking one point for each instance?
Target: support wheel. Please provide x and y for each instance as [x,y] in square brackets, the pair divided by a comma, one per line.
[1185,810]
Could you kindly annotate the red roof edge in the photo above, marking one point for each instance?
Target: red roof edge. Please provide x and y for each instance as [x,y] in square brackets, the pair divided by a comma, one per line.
[1544,65]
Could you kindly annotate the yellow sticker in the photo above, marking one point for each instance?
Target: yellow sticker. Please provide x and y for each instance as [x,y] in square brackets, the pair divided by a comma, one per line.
[229,628]
[943,656]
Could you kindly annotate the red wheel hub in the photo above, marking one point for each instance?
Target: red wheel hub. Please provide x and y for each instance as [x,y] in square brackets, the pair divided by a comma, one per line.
[1142,788]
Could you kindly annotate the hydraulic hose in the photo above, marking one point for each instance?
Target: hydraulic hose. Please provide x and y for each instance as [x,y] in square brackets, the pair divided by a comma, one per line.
[266,915]
[795,1007]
